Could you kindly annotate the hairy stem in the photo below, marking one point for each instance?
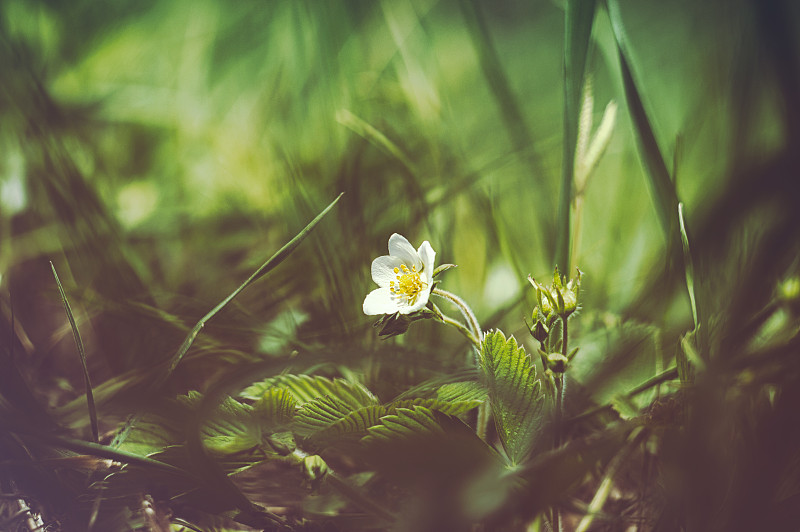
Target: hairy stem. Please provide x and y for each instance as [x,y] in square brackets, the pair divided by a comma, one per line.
[469,316]
[476,336]
[462,329]
[560,389]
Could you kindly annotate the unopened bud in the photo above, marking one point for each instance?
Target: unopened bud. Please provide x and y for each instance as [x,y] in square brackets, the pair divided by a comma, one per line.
[556,362]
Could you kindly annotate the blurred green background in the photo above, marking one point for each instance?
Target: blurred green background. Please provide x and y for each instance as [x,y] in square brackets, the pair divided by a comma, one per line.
[159,152]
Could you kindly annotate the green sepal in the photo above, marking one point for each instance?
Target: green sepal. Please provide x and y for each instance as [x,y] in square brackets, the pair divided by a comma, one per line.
[442,268]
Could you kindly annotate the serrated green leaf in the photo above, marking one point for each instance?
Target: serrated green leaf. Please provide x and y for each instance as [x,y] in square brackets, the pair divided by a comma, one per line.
[461,391]
[405,423]
[275,409]
[452,408]
[323,401]
[320,413]
[357,422]
[230,428]
[306,388]
[354,425]
[514,393]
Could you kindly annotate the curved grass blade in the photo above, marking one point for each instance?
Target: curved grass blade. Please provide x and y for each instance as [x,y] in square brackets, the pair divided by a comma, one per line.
[578,21]
[500,87]
[103,451]
[661,186]
[265,268]
[687,257]
[77,335]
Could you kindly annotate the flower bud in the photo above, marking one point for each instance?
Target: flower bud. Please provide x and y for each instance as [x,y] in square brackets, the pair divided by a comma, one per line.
[560,298]
[556,362]
[314,470]
[539,331]
[395,324]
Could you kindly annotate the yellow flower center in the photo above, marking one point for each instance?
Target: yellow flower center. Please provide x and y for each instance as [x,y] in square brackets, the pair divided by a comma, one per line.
[408,283]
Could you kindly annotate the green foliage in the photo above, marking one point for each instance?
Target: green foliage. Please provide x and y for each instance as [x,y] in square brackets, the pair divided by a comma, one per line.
[79,343]
[325,410]
[151,434]
[514,393]
[321,412]
[228,429]
[663,188]
[157,170]
[406,423]
[276,408]
[306,388]
[461,391]
[351,426]
[579,15]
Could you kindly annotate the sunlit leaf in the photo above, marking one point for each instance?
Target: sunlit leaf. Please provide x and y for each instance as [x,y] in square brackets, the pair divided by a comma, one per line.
[407,422]
[230,428]
[462,391]
[275,408]
[306,388]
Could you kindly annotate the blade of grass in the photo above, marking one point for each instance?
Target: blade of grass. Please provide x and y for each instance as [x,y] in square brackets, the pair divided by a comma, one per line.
[664,376]
[370,133]
[96,449]
[77,335]
[578,21]
[265,268]
[661,186]
[603,491]
[689,264]
[500,87]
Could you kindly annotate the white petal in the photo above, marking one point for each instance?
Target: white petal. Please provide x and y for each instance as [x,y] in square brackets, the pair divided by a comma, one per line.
[401,248]
[422,300]
[383,269]
[428,256]
[380,301]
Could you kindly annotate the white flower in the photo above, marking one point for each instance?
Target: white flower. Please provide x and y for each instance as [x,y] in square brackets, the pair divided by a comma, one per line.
[405,277]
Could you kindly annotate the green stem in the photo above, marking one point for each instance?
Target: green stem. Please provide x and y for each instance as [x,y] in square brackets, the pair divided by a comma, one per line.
[476,336]
[465,310]
[560,382]
[461,328]
[560,388]
[556,516]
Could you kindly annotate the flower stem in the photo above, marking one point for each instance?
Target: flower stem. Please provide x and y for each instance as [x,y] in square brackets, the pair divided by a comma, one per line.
[476,336]
[559,406]
[461,328]
[465,310]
